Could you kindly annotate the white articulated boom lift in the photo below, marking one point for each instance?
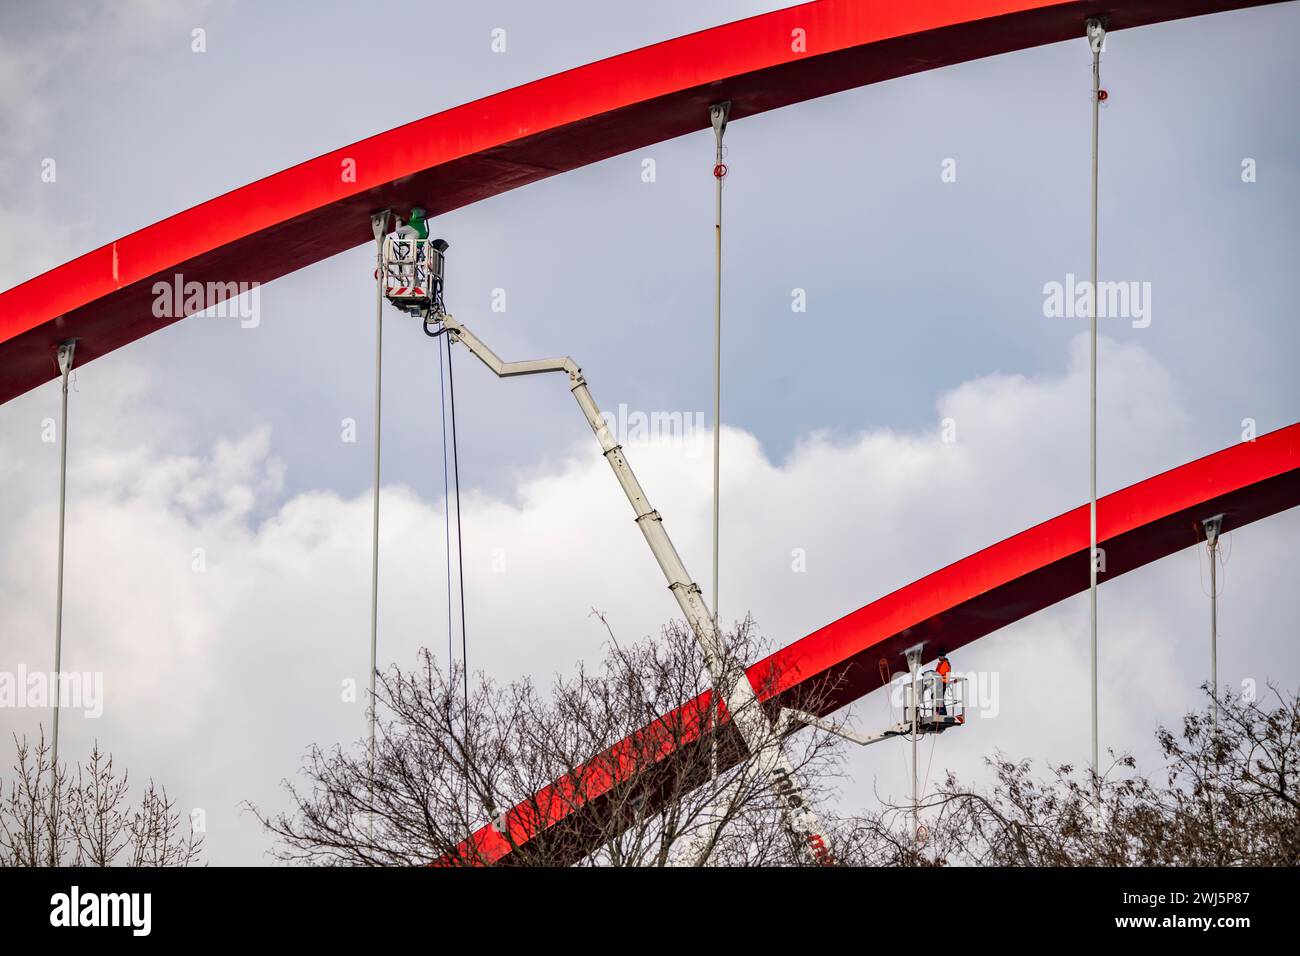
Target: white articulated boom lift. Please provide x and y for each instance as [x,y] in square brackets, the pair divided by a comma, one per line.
[411,277]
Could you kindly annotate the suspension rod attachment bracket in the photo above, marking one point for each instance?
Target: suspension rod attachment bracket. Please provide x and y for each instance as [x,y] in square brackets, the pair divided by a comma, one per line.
[1095,28]
[718,114]
[65,353]
[379,223]
[1212,528]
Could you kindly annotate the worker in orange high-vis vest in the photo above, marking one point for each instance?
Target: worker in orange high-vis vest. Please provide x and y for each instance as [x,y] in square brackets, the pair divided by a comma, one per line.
[943,669]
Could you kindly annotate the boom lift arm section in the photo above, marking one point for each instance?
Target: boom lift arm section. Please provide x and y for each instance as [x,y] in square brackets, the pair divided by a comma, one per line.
[728,675]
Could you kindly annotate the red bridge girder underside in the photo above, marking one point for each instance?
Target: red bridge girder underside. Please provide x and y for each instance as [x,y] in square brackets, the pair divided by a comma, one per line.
[951,607]
[307,213]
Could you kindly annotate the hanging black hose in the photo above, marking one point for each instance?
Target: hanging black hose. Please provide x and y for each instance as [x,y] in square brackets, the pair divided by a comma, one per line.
[446,494]
[435,315]
[460,561]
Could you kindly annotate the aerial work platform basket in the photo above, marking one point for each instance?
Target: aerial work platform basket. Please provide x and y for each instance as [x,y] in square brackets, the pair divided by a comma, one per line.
[413,274]
[942,703]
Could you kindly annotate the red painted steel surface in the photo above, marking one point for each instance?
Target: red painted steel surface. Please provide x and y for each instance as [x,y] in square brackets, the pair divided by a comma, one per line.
[950,608]
[307,213]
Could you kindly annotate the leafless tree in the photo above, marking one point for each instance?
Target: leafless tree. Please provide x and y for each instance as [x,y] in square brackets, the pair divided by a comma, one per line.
[520,758]
[84,816]
[1229,797]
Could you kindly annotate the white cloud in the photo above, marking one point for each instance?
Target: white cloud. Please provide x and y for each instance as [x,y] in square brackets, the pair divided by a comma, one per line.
[109,36]
[216,682]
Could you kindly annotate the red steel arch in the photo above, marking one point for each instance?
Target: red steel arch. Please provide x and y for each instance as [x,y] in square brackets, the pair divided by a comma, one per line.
[256,233]
[958,604]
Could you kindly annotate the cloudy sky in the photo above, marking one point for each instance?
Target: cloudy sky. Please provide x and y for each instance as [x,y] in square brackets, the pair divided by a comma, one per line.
[924,302]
